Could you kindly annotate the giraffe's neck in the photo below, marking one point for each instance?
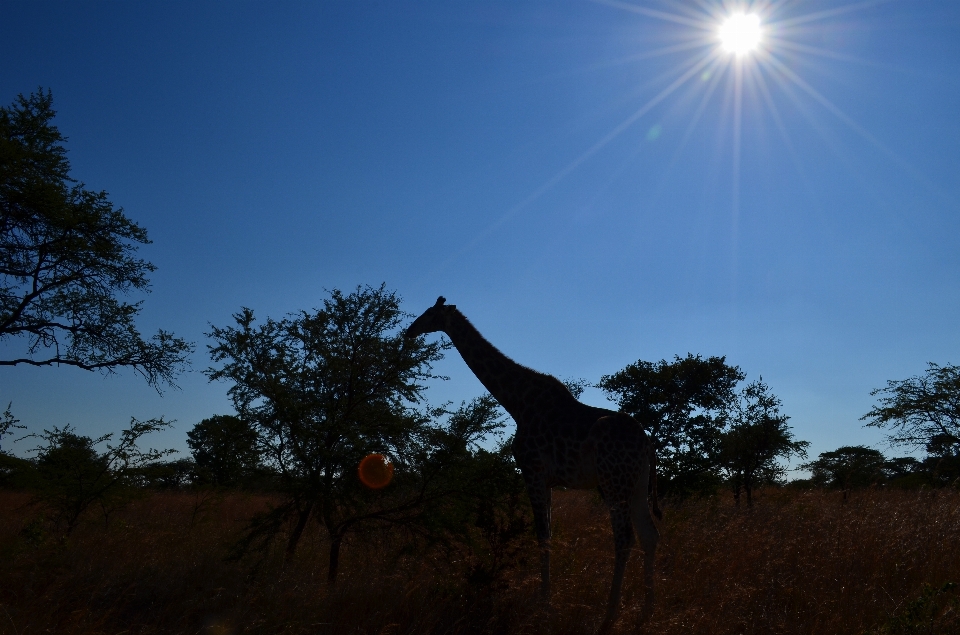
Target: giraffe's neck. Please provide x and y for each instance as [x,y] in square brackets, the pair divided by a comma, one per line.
[503,377]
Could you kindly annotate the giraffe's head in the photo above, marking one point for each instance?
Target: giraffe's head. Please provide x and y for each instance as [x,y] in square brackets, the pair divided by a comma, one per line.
[436,318]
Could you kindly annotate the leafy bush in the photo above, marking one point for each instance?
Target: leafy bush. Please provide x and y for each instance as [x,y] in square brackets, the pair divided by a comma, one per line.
[937,610]
[69,475]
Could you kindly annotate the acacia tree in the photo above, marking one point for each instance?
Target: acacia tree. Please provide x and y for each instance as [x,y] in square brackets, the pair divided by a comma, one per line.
[71,475]
[7,423]
[325,388]
[683,405]
[66,256]
[9,464]
[923,412]
[758,436]
[224,449]
[847,467]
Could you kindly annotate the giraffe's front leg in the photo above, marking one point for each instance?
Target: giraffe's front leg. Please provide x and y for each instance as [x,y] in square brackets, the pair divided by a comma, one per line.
[623,543]
[540,495]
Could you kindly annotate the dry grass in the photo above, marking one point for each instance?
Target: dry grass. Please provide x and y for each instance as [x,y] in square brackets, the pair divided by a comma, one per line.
[796,563]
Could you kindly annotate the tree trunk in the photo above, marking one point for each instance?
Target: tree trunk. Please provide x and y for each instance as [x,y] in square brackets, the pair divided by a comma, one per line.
[334,559]
[749,491]
[302,519]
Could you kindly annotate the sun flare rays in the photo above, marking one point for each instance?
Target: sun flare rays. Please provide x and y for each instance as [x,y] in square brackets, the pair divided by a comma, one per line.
[737,58]
[748,44]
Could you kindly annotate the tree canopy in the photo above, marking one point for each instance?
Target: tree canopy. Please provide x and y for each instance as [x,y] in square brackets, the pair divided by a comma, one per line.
[922,412]
[846,467]
[70,475]
[224,449]
[757,438]
[66,256]
[683,405]
[323,389]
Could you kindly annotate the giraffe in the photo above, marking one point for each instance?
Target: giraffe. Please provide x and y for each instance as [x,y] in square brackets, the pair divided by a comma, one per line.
[562,442]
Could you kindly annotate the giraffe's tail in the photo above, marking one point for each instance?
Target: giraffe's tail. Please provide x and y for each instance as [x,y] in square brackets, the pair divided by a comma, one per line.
[652,486]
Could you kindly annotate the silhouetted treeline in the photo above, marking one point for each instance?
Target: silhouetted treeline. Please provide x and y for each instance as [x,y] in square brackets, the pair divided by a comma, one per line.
[315,392]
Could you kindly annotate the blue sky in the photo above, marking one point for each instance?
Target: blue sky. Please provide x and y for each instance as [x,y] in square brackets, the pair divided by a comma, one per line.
[570,174]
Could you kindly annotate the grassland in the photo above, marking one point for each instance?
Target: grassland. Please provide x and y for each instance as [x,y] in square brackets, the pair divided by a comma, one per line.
[799,562]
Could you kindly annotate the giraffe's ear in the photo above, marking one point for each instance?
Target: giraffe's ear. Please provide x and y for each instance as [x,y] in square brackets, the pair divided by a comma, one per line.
[440,301]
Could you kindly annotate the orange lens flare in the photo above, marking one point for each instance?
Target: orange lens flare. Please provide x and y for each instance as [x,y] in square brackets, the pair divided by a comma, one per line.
[375,471]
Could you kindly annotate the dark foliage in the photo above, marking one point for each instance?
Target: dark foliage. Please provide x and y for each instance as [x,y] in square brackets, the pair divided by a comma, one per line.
[8,423]
[936,610]
[478,510]
[69,475]
[224,450]
[323,389]
[166,475]
[66,255]
[684,406]
[757,438]
[922,412]
[847,467]
[11,467]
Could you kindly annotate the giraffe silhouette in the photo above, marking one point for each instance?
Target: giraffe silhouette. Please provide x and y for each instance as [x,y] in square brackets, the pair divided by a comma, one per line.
[562,442]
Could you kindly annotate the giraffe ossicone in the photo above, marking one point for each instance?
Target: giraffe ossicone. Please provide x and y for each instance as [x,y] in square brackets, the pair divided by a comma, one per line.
[562,442]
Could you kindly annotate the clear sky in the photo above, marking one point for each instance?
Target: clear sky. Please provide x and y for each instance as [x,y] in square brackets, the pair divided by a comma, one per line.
[589,182]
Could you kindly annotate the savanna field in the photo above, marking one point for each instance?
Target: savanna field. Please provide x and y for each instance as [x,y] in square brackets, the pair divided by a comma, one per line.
[879,561]
[267,234]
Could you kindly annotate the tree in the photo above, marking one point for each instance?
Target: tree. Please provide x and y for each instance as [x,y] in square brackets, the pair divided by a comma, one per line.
[165,475]
[847,467]
[323,389]
[66,255]
[683,405]
[903,470]
[72,475]
[922,412]
[9,464]
[224,449]
[942,462]
[458,496]
[758,436]
[7,423]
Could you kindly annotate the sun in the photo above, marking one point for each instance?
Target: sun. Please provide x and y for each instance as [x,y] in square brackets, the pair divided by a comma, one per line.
[742,49]
[740,33]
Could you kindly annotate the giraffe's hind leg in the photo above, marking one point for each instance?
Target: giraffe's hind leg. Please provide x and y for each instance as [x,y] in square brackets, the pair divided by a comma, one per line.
[649,537]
